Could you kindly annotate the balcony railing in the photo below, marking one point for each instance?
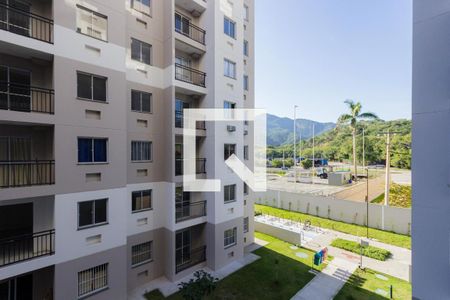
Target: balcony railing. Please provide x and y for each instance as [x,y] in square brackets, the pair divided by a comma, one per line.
[179,121]
[27,246]
[195,257]
[26,173]
[190,75]
[190,30]
[189,211]
[200,166]
[26,98]
[24,23]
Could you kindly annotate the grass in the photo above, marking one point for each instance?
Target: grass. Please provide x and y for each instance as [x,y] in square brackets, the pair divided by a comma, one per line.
[387,237]
[399,196]
[278,274]
[355,247]
[362,285]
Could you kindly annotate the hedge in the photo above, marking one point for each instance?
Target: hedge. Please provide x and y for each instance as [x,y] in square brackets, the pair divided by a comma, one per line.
[355,247]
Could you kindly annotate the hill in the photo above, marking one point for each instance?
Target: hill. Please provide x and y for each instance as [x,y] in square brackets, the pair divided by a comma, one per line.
[280,130]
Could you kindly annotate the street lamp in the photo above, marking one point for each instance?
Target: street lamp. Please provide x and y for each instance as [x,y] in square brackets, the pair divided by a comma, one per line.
[295,141]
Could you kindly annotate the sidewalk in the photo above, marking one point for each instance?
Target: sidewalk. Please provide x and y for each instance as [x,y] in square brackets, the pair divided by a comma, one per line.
[327,283]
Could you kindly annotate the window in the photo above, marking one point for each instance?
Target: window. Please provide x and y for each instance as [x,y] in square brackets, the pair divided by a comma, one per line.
[246,82]
[141,101]
[246,13]
[91,87]
[246,152]
[229,237]
[229,27]
[92,280]
[143,6]
[229,68]
[246,225]
[141,200]
[229,193]
[141,151]
[92,213]
[229,105]
[182,24]
[245,189]
[92,23]
[245,47]
[229,149]
[140,51]
[141,253]
[92,150]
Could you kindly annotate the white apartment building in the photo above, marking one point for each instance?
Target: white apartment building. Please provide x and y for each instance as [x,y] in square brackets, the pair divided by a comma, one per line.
[92,94]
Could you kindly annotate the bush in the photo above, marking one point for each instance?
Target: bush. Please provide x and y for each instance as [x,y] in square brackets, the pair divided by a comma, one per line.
[355,247]
[203,284]
[307,164]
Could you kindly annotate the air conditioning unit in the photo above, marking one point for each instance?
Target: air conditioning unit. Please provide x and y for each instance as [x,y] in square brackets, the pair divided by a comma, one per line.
[231,128]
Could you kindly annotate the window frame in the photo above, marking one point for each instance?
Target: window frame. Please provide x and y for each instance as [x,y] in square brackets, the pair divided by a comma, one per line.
[232,238]
[228,26]
[140,101]
[93,139]
[140,51]
[141,143]
[227,62]
[246,82]
[92,280]
[93,13]
[245,189]
[246,48]
[246,13]
[150,6]
[228,190]
[141,200]
[92,76]
[134,255]
[229,150]
[93,214]
[246,153]
[246,225]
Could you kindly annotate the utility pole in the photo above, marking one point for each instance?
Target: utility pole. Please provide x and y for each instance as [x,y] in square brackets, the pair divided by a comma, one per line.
[367,203]
[283,158]
[295,142]
[388,167]
[314,154]
[364,151]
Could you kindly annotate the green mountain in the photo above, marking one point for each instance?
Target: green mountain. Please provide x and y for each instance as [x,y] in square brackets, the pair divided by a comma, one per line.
[336,144]
[281,130]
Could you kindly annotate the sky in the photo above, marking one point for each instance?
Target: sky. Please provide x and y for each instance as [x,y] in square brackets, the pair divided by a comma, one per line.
[318,53]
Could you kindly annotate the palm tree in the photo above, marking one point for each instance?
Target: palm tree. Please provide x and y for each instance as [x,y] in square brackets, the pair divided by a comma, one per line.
[352,118]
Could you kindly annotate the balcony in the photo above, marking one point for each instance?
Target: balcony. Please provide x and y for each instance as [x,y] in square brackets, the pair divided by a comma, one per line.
[18,19]
[27,246]
[185,27]
[200,166]
[191,258]
[188,211]
[190,75]
[26,98]
[26,173]
[179,121]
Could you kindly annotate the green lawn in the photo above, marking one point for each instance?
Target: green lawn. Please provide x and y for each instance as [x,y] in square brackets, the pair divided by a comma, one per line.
[355,247]
[362,285]
[399,196]
[380,235]
[265,278]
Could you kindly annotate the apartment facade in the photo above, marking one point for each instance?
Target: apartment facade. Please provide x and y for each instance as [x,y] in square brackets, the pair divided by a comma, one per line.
[91,148]
[430,168]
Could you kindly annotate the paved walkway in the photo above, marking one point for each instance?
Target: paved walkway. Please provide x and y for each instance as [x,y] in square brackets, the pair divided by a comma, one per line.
[327,283]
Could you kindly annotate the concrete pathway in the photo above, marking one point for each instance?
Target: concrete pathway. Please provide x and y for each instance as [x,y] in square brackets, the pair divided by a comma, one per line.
[327,283]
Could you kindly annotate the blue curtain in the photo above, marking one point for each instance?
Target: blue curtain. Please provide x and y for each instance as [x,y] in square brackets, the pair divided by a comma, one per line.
[84,150]
[100,150]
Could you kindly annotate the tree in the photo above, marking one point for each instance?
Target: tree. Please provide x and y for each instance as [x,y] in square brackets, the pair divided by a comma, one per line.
[352,119]
[203,284]
[307,164]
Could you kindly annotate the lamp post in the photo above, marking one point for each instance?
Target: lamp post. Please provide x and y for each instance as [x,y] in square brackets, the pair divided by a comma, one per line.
[295,142]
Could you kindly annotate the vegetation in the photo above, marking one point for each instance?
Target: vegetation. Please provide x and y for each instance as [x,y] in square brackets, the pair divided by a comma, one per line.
[364,284]
[278,274]
[278,163]
[387,237]
[352,119]
[336,145]
[307,164]
[355,247]
[399,196]
[202,285]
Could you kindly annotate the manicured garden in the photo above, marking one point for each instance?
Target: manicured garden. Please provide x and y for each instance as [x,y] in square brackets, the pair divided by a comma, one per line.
[278,274]
[355,247]
[387,237]
[370,285]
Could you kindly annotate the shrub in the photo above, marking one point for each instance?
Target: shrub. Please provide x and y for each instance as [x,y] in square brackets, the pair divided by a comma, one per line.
[307,164]
[197,288]
[355,247]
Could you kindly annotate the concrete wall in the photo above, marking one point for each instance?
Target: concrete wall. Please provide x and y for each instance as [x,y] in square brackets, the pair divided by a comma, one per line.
[396,219]
[281,233]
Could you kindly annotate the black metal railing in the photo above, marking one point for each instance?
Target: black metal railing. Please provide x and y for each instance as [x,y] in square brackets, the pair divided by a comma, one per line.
[24,23]
[195,257]
[19,97]
[200,166]
[190,30]
[26,173]
[187,211]
[179,121]
[27,246]
[190,75]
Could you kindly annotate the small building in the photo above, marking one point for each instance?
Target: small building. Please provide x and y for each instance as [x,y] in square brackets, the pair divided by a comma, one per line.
[339,178]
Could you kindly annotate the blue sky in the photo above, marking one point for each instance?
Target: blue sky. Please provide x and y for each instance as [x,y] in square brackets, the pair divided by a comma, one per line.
[317,53]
